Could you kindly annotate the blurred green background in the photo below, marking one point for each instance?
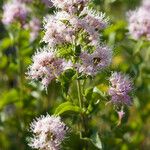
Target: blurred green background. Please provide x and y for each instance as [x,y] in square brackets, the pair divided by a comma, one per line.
[20,102]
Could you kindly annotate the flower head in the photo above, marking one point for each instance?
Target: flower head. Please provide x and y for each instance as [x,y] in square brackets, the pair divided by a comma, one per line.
[139,22]
[46,67]
[71,6]
[93,63]
[56,32]
[95,19]
[48,133]
[120,88]
[146,4]
[14,11]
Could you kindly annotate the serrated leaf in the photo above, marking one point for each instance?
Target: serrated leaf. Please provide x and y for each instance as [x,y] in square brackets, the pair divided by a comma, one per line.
[67,107]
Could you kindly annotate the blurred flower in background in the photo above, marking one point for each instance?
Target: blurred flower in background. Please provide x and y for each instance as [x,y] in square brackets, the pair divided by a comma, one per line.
[139,21]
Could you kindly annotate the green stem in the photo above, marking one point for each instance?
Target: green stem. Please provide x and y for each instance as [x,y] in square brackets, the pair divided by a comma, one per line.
[80,99]
[20,68]
[83,119]
[79,94]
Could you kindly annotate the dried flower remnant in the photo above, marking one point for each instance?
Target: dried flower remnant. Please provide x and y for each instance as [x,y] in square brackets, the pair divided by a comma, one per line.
[14,11]
[91,64]
[120,89]
[46,67]
[48,133]
[121,114]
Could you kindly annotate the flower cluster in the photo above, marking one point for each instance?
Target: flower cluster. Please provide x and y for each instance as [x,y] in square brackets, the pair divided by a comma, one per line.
[146,4]
[120,88]
[46,66]
[72,6]
[139,21]
[56,32]
[62,27]
[14,11]
[49,132]
[74,24]
[18,11]
[91,64]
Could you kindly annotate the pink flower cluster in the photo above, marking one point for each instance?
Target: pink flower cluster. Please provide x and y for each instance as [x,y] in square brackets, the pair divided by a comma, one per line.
[18,11]
[120,88]
[49,132]
[56,32]
[14,11]
[67,27]
[91,64]
[62,27]
[139,21]
[46,67]
[72,6]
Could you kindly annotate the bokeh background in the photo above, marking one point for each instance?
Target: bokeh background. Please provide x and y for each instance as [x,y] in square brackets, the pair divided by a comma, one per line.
[21,101]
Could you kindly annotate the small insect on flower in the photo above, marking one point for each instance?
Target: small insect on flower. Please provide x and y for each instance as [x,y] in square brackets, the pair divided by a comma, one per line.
[93,63]
[15,11]
[120,89]
[48,133]
[70,5]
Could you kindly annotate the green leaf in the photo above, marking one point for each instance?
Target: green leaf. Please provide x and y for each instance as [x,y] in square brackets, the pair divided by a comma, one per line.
[96,140]
[66,78]
[8,98]
[88,93]
[67,107]
[5,43]
[100,93]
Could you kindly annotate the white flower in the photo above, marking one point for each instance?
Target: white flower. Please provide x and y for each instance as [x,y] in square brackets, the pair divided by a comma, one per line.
[95,19]
[14,11]
[48,133]
[56,32]
[139,22]
[46,67]
[93,63]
